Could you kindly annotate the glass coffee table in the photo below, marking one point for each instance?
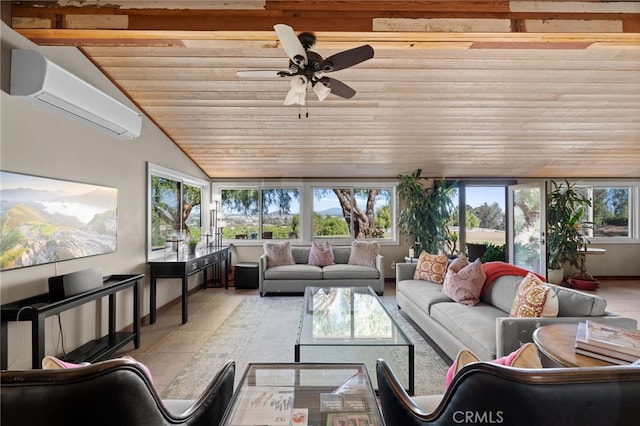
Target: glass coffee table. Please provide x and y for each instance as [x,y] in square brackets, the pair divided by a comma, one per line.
[352,325]
[305,395]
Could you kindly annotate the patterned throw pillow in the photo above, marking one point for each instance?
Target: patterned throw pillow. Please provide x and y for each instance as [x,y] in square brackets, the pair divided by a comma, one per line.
[463,281]
[530,298]
[431,267]
[364,253]
[321,255]
[278,254]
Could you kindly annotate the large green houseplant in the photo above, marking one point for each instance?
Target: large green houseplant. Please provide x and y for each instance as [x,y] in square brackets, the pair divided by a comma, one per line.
[566,209]
[425,211]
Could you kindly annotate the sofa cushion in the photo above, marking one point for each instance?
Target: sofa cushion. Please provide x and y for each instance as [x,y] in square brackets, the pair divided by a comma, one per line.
[341,254]
[424,293]
[364,253]
[463,281]
[278,254]
[431,267]
[501,292]
[574,303]
[474,326]
[320,255]
[293,272]
[349,272]
[300,254]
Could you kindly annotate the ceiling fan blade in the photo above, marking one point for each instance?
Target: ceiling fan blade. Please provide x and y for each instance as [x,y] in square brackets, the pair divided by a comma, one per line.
[338,88]
[260,73]
[291,44]
[347,58]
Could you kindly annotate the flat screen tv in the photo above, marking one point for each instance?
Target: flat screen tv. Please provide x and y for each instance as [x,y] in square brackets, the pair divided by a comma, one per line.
[45,220]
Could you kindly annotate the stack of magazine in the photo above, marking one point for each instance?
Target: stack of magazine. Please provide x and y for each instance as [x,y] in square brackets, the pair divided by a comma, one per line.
[608,342]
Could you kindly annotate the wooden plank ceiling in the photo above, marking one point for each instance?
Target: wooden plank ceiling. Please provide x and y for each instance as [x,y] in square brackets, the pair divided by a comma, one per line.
[527,89]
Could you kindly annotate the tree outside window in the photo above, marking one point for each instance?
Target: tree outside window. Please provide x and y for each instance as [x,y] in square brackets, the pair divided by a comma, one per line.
[358,213]
[175,209]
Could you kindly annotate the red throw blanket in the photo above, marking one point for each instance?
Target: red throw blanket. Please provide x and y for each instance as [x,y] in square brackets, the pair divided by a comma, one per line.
[493,270]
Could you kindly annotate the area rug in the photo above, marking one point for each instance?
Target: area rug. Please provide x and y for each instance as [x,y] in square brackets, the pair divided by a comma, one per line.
[264,329]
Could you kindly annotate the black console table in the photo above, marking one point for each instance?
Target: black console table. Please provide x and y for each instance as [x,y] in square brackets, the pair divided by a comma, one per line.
[37,308]
[181,265]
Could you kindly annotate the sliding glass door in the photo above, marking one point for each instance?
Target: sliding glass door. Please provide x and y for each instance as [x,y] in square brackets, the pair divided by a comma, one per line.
[526,226]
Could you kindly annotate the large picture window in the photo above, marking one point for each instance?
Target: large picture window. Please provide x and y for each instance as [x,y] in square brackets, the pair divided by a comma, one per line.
[255,213]
[356,213]
[175,208]
[330,212]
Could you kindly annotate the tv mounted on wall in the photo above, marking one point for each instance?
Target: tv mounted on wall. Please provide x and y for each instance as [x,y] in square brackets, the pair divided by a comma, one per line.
[45,220]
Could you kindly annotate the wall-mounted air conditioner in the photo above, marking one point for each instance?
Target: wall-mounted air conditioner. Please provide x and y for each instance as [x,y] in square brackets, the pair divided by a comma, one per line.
[42,82]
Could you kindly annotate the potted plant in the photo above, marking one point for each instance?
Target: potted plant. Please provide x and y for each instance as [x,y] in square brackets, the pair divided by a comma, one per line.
[193,240]
[566,208]
[425,212]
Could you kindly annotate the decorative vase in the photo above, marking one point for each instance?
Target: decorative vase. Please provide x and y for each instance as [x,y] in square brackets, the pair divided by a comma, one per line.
[192,249]
[555,276]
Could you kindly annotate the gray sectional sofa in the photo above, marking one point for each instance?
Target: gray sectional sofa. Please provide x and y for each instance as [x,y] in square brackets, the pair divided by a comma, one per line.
[486,329]
[295,278]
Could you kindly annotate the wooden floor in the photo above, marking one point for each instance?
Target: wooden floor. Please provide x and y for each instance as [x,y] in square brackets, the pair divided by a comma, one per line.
[168,346]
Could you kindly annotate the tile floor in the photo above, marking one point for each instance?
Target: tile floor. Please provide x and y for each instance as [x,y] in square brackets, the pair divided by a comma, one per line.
[168,346]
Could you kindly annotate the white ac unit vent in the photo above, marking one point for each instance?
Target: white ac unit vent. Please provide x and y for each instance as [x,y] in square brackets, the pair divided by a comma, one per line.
[42,82]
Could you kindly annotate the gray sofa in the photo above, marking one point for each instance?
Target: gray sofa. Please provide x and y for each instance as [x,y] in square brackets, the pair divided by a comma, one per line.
[295,278]
[486,329]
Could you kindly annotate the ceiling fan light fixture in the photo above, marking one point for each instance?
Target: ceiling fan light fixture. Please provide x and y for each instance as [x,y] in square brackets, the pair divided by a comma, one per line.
[321,90]
[299,84]
[294,97]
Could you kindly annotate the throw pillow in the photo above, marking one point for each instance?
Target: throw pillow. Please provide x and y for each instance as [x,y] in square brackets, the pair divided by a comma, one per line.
[551,305]
[431,267]
[52,363]
[530,298]
[364,253]
[463,283]
[526,356]
[321,255]
[278,254]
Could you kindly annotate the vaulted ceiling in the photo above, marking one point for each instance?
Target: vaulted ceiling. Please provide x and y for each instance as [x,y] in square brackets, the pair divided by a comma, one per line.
[457,88]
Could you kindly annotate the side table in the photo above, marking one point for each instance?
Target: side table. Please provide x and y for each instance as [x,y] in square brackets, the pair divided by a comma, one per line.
[556,342]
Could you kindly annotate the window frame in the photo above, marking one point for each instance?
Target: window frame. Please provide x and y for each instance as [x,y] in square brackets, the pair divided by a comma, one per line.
[306,188]
[183,178]
[634,209]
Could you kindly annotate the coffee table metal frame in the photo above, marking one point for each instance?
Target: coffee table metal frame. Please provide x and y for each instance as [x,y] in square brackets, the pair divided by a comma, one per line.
[349,310]
[310,382]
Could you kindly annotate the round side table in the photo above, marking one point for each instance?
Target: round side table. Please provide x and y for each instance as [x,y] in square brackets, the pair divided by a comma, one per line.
[556,342]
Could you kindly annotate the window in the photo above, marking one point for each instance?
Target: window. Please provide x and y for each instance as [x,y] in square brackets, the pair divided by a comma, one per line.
[175,208]
[352,213]
[330,212]
[483,207]
[280,218]
[612,212]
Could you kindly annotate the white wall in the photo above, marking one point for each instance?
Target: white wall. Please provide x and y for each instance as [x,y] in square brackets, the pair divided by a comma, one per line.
[40,142]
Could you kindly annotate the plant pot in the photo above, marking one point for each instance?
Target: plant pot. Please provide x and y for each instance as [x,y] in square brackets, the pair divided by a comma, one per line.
[555,276]
[588,284]
[192,249]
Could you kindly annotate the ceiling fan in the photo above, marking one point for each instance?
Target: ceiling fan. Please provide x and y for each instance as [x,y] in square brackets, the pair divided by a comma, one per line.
[306,67]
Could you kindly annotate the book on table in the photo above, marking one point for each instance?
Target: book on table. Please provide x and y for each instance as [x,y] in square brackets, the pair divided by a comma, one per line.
[614,344]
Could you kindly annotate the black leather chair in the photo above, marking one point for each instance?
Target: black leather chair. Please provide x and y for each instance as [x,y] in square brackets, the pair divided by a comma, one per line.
[107,393]
[485,393]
